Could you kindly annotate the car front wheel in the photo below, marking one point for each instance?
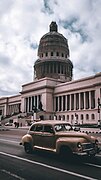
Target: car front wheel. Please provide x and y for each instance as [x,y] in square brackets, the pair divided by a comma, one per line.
[65,152]
[27,148]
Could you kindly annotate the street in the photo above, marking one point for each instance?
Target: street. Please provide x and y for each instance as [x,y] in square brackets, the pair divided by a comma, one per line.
[16,164]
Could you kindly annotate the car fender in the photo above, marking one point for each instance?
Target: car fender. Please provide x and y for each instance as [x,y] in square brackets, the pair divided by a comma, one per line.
[69,142]
[27,139]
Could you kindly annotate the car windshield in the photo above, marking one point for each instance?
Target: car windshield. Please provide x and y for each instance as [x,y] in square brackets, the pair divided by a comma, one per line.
[62,127]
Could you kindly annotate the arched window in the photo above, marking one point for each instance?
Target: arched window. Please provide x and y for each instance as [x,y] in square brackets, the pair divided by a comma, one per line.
[87,116]
[93,116]
[50,117]
[72,117]
[51,53]
[76,116]
[63,117]
[81,116]
[46,54]
[67,117]
[59,117]
[57,53]
[62,55]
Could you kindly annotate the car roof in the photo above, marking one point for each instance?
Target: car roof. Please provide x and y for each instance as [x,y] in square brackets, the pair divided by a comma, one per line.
[51,122]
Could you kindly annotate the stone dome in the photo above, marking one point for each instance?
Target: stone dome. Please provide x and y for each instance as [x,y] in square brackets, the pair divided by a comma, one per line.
[53,53]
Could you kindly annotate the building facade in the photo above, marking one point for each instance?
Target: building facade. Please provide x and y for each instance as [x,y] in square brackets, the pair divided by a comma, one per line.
[53,94]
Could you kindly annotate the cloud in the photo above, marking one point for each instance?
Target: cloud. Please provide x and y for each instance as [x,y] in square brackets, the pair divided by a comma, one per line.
[24,22]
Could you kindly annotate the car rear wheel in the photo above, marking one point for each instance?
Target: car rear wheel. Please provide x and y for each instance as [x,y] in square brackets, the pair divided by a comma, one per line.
[28,148]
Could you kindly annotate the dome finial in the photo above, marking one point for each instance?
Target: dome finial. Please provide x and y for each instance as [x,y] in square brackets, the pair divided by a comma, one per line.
[53,26]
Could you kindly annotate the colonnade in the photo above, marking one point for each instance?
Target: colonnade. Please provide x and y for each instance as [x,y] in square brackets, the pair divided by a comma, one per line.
[77,101]
[14,108]
[32,101]
[55,68]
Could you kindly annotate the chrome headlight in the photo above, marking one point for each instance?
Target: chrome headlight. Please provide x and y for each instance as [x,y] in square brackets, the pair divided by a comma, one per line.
[79,145]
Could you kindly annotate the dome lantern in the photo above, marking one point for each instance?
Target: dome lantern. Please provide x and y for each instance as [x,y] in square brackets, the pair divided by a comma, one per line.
[53,26]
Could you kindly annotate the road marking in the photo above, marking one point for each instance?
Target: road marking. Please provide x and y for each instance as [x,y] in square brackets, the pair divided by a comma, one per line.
[48,166]
[11,174]
[8,140]
[95,165]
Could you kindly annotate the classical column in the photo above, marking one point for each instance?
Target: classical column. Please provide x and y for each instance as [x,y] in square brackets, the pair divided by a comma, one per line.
[97,95]
[74,101]
[58,104]
[70,102]
[31,104]
[84,100]
[65,103]
[61,103]
[79,101]
[90,99]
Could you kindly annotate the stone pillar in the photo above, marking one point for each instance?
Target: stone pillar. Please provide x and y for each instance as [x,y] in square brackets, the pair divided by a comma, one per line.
[74,101]
[70,102]
[90,99]
[84,100]
[65,103]
[61,103]
[79,101]
[97,95]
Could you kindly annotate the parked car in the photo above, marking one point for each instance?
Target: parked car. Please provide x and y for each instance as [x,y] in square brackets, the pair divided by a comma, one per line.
[8,124]
[59,137]
[76,128]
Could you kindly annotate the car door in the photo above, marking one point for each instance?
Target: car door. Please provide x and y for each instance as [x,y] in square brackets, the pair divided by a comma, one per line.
[48,137]
[37,135]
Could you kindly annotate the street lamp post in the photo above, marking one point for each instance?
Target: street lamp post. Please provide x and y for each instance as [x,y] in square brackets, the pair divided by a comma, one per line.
[34,112]
[99,106]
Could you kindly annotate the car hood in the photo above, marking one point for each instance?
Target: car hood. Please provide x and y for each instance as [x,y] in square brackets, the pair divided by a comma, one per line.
[76,135]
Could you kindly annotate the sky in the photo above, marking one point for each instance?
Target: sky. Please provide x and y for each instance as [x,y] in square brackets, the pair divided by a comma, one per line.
[24,22]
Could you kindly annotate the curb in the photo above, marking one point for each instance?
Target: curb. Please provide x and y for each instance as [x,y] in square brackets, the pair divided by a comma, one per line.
[4,129]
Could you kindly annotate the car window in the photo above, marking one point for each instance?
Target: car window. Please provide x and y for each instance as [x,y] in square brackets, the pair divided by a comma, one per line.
[48,129]
[68,127]
[62,127]
[38,128]
[58,127]
[32,128]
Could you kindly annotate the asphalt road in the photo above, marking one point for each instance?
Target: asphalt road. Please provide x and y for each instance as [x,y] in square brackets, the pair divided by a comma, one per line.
[15,164]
